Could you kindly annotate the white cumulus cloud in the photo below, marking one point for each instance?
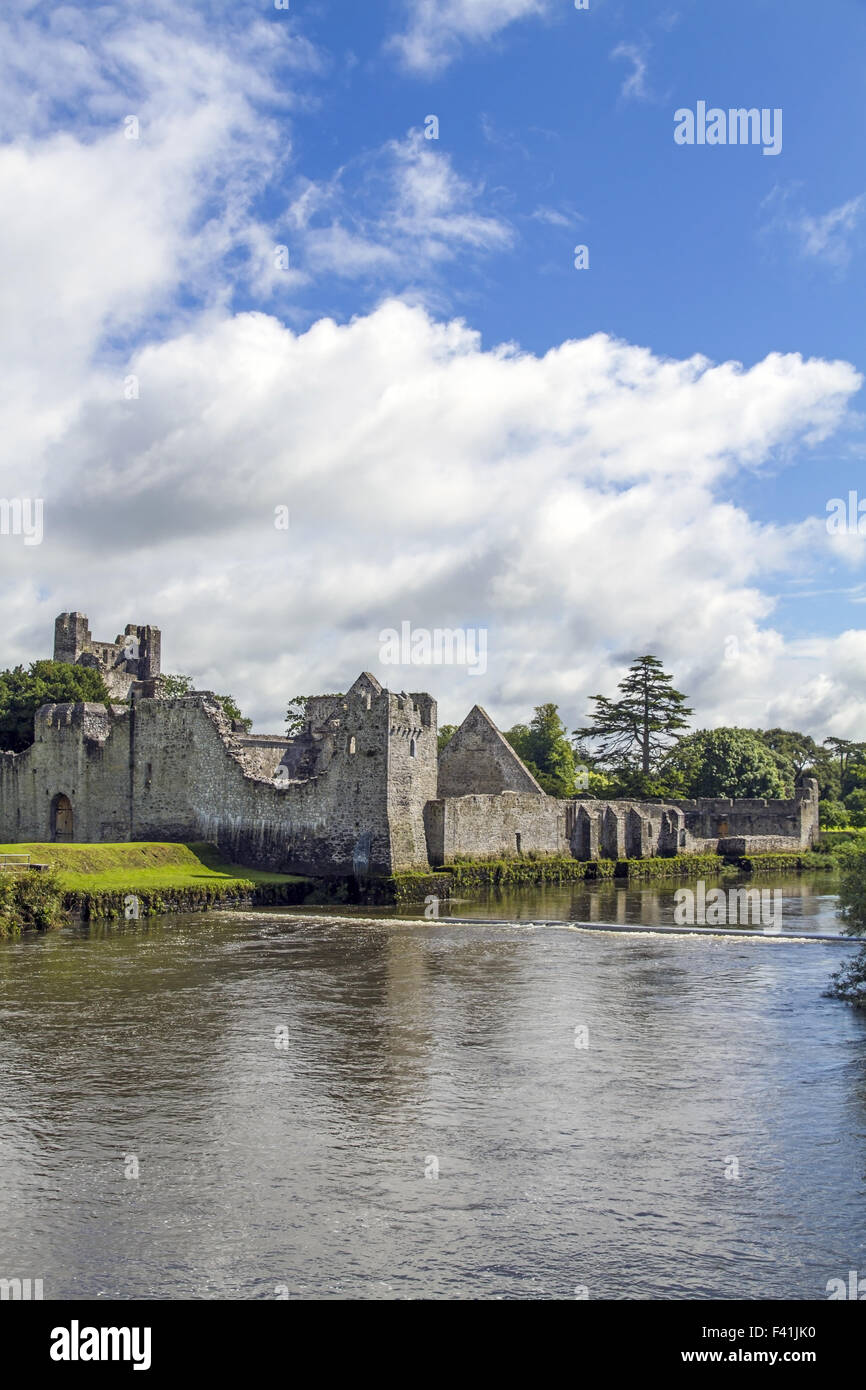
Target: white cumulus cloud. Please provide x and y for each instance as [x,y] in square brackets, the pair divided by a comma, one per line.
[437,31]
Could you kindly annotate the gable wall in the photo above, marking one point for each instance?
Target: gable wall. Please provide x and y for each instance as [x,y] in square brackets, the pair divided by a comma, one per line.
[478,759]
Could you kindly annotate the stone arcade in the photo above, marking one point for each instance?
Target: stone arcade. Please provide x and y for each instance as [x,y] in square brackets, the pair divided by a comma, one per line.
[360,789]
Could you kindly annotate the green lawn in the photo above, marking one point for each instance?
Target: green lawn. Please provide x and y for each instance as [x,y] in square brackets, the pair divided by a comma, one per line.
[146,866]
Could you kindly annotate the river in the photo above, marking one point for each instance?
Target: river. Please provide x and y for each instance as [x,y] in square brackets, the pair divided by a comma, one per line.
[335,1104]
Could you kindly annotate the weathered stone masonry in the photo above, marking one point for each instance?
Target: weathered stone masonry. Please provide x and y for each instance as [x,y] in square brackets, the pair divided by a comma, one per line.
[360,790]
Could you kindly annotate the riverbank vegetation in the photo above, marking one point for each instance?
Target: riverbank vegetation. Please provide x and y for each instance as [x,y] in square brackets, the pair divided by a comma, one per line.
[468,874]
[130,880]
[30,901]
[849,983]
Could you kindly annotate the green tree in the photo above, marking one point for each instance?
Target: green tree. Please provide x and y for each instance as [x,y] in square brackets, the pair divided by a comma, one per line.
[45,682]
[296,715]
[827,773]
[849,982]
[175,686]
[724,762]
[636,785]
[544,747]
[634,732]
[796,751]
[856,779]
[833,815]
[446,733]
[844,753]
[590,779]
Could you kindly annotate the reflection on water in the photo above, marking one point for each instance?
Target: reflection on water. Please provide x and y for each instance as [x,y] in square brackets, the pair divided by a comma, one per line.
[412,1046]
[809,902]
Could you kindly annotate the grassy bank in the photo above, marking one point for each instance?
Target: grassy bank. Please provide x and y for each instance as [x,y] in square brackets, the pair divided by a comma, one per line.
[132,880]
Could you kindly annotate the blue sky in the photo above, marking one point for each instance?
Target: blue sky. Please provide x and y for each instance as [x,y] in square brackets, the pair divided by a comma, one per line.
[543,490]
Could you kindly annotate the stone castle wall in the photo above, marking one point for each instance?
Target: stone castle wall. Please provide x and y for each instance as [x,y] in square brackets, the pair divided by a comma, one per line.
[361,789]
[495,825]
[175,770]
[474,826]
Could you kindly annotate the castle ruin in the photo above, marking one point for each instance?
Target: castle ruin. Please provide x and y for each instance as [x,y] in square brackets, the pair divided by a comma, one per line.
[360,790]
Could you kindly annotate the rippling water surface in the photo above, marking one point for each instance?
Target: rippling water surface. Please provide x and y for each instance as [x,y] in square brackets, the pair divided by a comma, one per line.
[290,1084]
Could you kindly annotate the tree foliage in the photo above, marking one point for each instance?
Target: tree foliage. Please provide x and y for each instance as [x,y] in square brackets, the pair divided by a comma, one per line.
[446,733]
[725,762]
[45,682]
[849,982]
[834,815]
[845,754]
[634,732]
[798,756]
[296,715]
[544,747]
[175,686]
[231,711]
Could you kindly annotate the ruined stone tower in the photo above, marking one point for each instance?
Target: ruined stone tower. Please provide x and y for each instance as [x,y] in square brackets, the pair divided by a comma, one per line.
[132,656]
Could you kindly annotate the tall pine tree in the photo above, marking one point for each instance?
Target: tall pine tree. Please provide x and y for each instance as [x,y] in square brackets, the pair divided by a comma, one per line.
[635,731]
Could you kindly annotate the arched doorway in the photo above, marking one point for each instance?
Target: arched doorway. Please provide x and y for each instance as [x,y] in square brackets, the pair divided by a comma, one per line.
[61,818]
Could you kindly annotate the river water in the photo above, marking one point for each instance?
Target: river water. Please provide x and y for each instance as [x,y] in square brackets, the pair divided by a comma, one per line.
[307,1104]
